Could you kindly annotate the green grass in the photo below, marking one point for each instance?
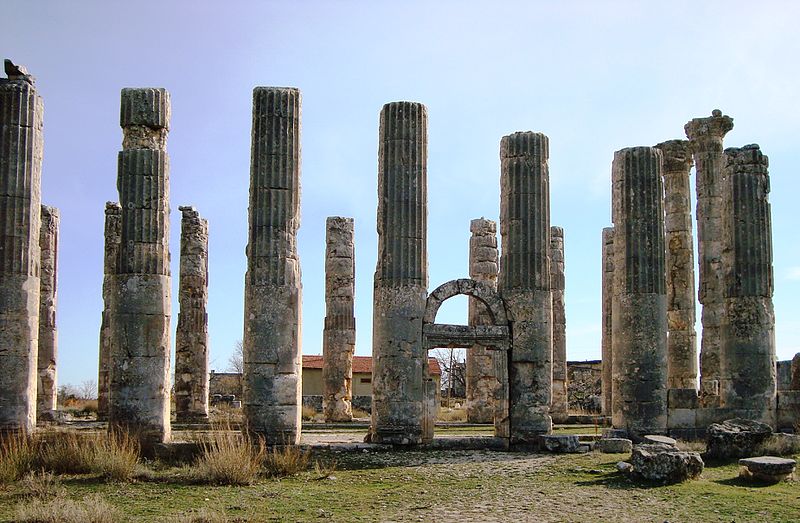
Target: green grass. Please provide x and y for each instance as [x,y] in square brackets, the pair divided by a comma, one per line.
[445,486]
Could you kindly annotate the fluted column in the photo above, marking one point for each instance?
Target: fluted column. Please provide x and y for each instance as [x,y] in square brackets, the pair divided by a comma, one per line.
[681,338]
[139,360]
[559,407]
[339,334]
[481,378]
[705,135]
[525,280]
[21,112]
[606,324]
[273,290]
[48,335]
[113,237]
[191,337]
[639,315]
[748,376]
[399,362]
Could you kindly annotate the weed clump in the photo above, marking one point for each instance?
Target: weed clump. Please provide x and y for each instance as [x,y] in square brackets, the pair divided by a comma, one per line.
[17,454]
[286,460]
[92,509]
[230,458]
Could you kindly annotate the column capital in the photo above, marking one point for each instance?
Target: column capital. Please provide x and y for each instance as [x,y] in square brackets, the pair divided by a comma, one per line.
[677,155]
[706,133]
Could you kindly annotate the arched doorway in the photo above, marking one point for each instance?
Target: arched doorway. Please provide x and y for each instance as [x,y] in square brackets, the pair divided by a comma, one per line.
[495,336]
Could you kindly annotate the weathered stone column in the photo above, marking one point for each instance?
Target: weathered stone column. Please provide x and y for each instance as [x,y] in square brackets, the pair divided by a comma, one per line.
[639,309]
[608,292]
[48,335]
[525,281]
[747,362]
[21,145]
[273,290]
[140,303]
[191,337]
[113,238]
[559,408]
[483,267]
[681,338]
[339,335]
[706,136]
[399,362]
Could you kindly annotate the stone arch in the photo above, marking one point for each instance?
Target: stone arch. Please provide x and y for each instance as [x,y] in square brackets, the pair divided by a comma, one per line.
[469,287]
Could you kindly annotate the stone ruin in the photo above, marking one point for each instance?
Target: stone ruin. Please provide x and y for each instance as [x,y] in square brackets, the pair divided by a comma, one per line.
[516,333]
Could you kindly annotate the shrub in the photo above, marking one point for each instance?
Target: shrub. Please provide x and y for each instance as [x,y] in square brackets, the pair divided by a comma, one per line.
[17,453]
[93,509]
[287,460]
[230,458]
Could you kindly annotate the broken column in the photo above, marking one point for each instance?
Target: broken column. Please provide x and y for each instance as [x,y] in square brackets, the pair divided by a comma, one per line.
[608,292]
[639,309]
[525,280]
[140,303]
[339,335]
[705,135]
[271,345]
[21,147]
[681,339]
[48,335]
[113,237]
[747,357]
[559,407]
[401,276]
[191,337]
[483,267]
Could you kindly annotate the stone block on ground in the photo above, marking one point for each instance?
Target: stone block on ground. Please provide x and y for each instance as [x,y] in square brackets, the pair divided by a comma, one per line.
[769,469]
[614,445]
[560,443]
[664,463]
[665,440]
[736,438]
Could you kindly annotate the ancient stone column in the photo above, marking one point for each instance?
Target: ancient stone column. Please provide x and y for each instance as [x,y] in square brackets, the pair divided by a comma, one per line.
[747,358]
[339,335]
[608,292]
[639,309]
[399,362]
[681,338]
[139,360]
[271,345]
[113,237]
[559,407]
[525,281]
[21,146]
[705,135]
[191,337]
[48,335]
[483,267]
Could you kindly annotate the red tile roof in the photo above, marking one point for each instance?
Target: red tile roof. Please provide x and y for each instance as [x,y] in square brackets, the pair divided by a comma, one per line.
[362,364]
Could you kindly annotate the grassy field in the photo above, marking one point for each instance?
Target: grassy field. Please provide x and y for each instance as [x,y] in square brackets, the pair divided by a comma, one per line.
[434,486]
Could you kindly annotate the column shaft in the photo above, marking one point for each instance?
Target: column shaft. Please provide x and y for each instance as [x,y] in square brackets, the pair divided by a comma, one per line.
[339,334]
[21,145]
[606,345]
[48,335]
[639,309]
[113,238]
[273,290]
[191,337]
[481,379]
[559,408]
[399,361]
[525,280]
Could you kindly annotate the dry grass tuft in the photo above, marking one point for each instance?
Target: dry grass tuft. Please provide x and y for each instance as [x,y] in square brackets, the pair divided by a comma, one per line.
[452,414]
[66,452]
[92,509]
[286,460]
[17,454]
[324,469]
[203,515]
[43,486]
[230,458]
[310,414]
[360,414]
[117,456]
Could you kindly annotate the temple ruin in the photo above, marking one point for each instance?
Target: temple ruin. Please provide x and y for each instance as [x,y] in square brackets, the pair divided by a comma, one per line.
[141,308]
[271,344]
[191,337]
[559,408]
[47,392]
[112,234]
[339,334]
[21,145]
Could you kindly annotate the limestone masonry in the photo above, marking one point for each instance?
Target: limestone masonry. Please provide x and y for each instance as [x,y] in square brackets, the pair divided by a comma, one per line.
[113,237]
[559,409]
[48,335]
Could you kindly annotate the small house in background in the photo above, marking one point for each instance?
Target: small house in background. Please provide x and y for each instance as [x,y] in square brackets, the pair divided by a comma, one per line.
[230,383]
[362,380]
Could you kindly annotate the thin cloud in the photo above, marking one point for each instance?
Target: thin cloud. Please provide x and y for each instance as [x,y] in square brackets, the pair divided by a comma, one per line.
[793,274]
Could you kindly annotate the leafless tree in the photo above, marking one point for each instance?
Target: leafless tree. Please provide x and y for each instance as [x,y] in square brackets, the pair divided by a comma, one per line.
[236,361]
[88,390]
[454,371]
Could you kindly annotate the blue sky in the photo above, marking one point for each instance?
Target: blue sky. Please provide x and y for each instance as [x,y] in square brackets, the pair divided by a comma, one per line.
[594,76]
